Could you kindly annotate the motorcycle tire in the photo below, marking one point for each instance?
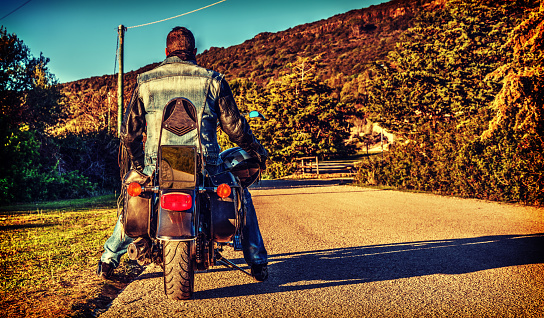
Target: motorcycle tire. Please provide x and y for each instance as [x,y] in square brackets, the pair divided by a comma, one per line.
[179,274]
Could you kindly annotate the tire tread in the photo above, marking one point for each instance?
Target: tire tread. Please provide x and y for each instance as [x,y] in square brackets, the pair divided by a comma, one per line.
[178,270]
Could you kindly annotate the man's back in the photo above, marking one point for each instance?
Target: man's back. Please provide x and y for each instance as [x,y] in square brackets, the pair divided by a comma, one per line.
[176,78]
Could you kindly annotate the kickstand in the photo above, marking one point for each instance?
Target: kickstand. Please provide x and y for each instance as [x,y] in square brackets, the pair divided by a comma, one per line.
[228,263]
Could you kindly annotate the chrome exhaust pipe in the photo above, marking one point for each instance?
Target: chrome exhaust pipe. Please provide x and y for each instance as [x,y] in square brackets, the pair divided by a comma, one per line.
[140,249]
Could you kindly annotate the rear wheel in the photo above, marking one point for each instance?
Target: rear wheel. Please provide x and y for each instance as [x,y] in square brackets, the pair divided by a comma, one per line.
[179,272]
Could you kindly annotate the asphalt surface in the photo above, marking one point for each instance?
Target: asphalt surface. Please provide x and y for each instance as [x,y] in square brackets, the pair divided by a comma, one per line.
[342,251]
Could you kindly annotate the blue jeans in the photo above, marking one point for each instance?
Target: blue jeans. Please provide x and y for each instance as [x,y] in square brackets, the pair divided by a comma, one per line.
[252,241]
[116,245]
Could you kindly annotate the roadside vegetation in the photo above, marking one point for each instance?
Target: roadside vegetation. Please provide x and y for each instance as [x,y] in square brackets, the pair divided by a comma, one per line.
[463,92]
[36,163]
[48,258]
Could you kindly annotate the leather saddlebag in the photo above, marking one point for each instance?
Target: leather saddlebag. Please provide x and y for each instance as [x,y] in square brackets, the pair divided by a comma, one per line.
[136,210]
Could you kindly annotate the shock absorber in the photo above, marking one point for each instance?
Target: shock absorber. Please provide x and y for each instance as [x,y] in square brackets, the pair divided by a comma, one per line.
[201,252]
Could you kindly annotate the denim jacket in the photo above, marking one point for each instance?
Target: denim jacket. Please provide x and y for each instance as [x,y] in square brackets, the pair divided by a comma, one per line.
[209,93]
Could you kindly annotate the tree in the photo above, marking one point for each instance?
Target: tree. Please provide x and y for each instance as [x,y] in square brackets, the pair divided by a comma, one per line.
[303,119]
[517,128]
[29,103]
[28,94]
[465,135]
[437,71]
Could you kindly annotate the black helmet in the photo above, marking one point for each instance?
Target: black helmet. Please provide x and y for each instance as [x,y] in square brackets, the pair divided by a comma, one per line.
[242,165]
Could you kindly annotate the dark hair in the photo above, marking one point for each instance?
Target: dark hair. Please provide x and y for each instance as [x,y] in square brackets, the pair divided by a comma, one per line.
[180,39]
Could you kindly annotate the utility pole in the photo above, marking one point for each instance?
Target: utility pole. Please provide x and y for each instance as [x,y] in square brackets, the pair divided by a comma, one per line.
[120,103]
[303,69]
[109,112]
[381,138]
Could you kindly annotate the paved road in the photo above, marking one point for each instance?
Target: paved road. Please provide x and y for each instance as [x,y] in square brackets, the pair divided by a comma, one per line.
[342,251]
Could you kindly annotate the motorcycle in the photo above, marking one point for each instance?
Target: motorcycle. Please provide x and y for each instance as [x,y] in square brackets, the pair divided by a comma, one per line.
[182,216]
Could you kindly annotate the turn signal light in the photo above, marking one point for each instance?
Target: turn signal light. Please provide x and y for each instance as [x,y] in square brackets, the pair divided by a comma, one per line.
[176,201]
[223,190]
[134,189]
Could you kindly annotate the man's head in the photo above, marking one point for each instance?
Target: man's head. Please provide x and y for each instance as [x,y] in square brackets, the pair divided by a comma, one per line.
[180,39]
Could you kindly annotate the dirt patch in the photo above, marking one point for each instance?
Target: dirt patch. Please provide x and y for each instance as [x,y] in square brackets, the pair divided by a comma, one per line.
[71,294]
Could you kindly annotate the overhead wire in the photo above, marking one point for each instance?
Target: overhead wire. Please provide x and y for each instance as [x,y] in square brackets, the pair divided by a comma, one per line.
[19,7]
[141,25]
[177,16]
[116,56]
[145,24]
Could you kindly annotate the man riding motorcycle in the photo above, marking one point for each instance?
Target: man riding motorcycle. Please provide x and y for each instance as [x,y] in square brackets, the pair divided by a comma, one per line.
[180,76]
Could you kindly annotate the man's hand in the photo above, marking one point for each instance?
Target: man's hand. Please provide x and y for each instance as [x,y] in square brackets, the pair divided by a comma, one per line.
[262,163]
[261,158]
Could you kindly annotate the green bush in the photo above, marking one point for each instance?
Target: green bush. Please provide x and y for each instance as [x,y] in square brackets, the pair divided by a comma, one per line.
[303,118]
[464,134]
[29,176]
[94,154]
[507,167]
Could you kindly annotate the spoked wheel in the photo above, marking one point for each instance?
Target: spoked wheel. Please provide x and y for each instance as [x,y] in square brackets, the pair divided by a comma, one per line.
[179,274]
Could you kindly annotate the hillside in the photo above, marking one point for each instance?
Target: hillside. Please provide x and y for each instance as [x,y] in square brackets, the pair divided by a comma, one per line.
[459,83]
[342,44]
[339,47]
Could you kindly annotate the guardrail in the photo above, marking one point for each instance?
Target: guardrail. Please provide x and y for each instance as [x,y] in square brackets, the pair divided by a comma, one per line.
[308,164]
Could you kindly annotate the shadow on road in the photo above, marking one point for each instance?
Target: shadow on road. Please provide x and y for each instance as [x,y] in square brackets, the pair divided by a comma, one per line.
[356,265]
[298,183]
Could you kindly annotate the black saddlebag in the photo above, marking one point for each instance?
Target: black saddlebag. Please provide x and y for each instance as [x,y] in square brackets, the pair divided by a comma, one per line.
[136,210]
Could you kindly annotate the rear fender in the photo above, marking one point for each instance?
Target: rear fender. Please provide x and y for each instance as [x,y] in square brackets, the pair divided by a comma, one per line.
[176,225]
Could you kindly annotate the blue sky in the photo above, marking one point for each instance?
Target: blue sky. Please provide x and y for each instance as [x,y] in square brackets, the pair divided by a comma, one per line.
[80,37]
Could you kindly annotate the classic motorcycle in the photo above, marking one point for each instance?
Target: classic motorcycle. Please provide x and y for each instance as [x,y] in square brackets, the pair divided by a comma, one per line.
[183,216]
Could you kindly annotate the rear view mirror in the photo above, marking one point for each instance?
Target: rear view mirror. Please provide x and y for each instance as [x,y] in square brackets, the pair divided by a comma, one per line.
[256,114]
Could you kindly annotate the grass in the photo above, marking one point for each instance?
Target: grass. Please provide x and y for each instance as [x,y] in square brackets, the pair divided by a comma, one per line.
[107,201]
[48,258]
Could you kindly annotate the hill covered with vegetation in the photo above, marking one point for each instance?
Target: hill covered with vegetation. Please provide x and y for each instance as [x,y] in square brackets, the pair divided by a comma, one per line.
[459,83]
[335,49]
[463,88]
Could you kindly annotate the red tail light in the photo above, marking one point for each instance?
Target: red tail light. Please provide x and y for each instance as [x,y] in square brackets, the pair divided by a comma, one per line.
[176,201]
[134,189]
[223,190]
